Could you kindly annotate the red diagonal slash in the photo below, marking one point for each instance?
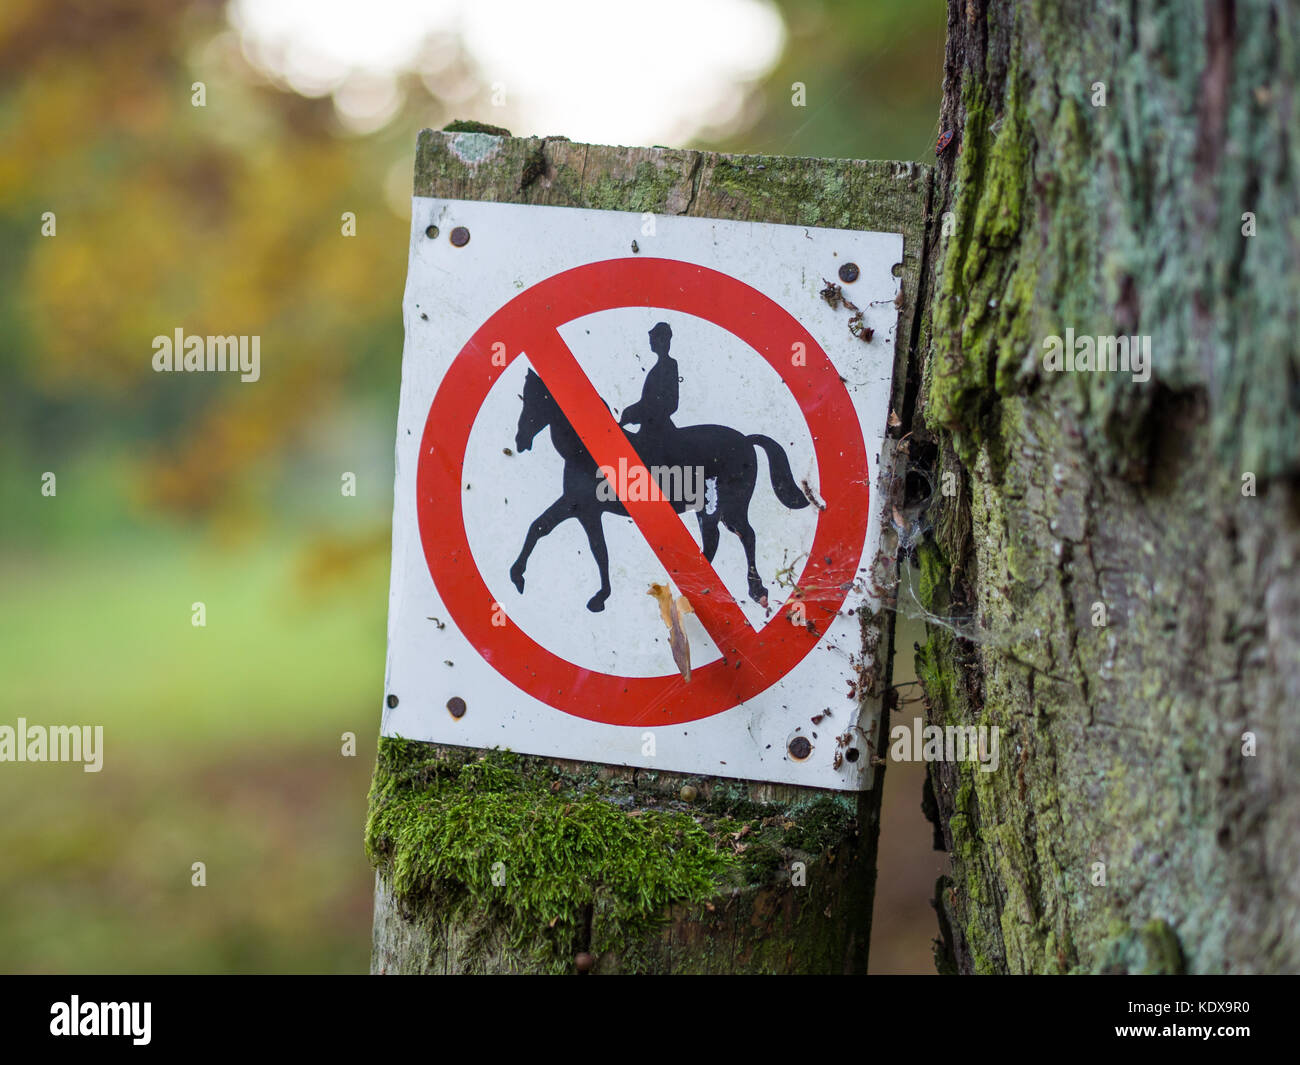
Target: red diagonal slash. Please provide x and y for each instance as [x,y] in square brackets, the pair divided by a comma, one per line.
[530,320]
[668,538]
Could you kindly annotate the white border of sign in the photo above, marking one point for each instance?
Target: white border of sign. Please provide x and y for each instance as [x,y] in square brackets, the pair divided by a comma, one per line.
[451,291]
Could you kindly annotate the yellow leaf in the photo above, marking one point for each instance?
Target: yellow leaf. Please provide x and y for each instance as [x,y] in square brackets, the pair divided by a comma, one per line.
[671,610]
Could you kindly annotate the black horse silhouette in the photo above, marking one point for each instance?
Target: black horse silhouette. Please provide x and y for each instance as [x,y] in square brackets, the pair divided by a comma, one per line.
[726,456]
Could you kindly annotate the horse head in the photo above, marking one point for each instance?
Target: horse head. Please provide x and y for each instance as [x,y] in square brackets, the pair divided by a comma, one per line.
[537,412]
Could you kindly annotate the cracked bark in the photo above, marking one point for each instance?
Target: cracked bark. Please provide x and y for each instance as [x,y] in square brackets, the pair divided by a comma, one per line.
[1122,743]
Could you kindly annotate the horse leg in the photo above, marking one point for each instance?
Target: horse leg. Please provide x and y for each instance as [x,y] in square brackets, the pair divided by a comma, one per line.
[544,524]
[590,520]
[708,532]
[738,522]
[734,497]
[757,592]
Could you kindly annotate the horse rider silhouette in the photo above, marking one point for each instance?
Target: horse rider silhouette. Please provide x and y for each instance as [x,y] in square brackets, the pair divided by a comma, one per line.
[658,403]
[724,456]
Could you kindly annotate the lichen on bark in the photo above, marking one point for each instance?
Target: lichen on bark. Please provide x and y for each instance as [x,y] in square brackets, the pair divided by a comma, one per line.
[1104,590]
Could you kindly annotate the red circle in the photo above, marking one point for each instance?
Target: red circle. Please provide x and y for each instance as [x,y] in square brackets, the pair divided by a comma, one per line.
[766,655]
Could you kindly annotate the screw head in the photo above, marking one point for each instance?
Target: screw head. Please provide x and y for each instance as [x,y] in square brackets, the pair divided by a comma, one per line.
[460,236]
[456,706]
[849,272]
[800,748]
[583,961]
[431,232]
[392,701]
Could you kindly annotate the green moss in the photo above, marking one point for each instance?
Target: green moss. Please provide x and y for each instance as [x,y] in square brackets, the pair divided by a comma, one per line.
[480,834]
[987,282]
[1016,330]
[818,825]
[1071,239]
[787,189]
[997,217]
[467,125]
[1152,950]
[730,802]
[935,665]
[761,861]
[648,189]
[934,576]
[540,862]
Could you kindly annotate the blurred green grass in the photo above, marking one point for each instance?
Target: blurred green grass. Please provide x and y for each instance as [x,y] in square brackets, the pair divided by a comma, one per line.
[108,636]
[97,868]
[222,744]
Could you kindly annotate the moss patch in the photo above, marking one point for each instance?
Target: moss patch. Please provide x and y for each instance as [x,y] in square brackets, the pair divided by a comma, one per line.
[987,281]
[1152,950]
[466,125]
[649,188]
[545,863]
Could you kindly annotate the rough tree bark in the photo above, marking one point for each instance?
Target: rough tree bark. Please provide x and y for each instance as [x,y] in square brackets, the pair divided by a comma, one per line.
[1103,584]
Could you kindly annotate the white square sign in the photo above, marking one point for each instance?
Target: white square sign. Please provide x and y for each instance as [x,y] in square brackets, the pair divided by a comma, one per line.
[638,491]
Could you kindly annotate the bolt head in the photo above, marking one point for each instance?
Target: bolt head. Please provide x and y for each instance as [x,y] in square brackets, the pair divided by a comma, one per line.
[460,236]
[849,273]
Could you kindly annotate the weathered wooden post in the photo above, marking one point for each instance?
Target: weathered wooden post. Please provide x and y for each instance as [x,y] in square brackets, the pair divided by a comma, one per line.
[698,787]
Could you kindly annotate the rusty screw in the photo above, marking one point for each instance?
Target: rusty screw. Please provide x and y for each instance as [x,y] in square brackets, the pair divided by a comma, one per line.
[456,706]
[800,748]
[431,232]
[392,701]
[460,236]
[849,273]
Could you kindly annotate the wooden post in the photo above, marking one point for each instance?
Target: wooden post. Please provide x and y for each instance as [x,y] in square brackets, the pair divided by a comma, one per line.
[615,869]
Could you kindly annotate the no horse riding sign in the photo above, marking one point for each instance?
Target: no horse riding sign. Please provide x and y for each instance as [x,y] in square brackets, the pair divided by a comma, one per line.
[638,490]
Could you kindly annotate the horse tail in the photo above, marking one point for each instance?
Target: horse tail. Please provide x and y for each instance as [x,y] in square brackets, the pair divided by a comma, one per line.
[779,466]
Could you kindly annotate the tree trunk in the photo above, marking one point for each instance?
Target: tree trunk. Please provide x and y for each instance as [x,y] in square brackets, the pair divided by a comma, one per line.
[473,878]
[1113,580]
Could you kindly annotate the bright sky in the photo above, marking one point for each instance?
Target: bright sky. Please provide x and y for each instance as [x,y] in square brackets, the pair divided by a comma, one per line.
[605,71]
